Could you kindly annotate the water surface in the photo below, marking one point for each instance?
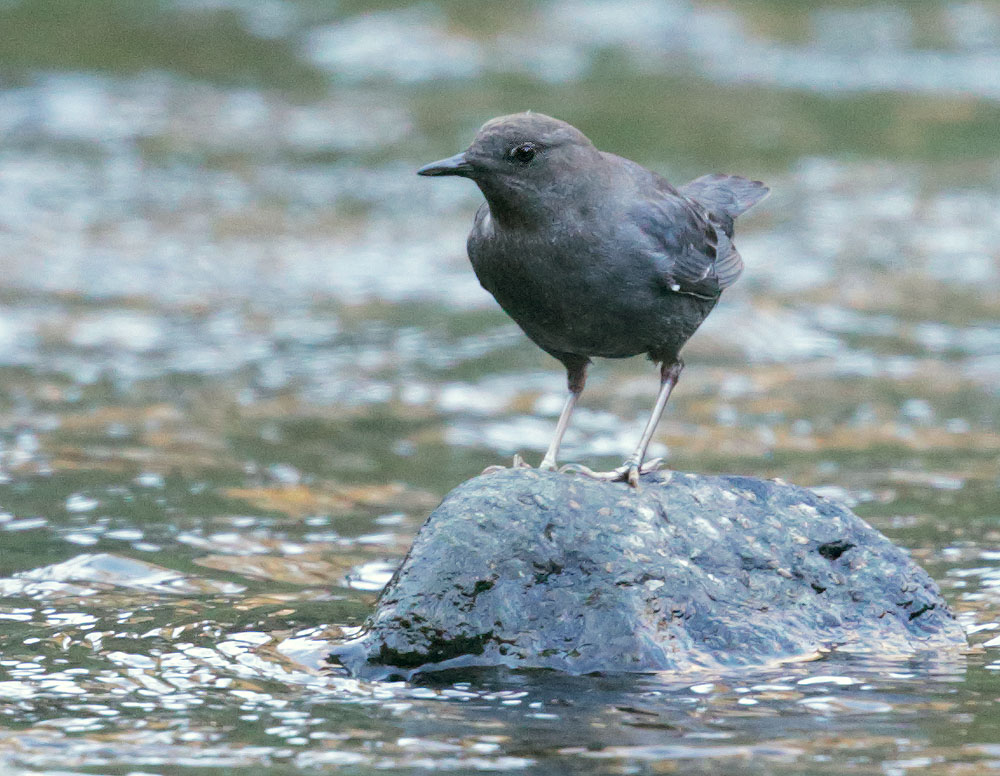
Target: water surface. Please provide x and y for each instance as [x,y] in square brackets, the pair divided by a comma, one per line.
[242,355]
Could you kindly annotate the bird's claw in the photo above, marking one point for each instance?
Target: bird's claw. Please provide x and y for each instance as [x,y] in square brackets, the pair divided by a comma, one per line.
[517,463]
[621,474]
[651,465]
[628,472]
[586,471]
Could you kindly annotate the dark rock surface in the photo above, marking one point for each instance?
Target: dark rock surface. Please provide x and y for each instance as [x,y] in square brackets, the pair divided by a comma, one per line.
[535,569]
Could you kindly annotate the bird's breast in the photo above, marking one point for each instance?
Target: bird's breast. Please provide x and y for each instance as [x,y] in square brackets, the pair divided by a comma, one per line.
[567,294]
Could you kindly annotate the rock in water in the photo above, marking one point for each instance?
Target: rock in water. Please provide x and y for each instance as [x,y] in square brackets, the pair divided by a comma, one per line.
[525,568]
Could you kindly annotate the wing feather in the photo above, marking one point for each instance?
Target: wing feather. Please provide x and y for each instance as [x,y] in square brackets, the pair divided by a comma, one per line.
[693,254]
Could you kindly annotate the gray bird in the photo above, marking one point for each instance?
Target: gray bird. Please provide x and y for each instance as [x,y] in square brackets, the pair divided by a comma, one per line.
[594,255]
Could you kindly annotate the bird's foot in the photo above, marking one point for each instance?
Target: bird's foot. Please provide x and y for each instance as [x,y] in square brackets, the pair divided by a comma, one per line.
[517,463]
[629,472]
[548,465]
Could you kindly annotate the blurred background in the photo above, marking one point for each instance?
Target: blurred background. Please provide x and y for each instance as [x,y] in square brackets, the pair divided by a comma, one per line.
[242,354]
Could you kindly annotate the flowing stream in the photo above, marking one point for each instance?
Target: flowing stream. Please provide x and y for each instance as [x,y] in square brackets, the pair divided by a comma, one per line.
[242,356]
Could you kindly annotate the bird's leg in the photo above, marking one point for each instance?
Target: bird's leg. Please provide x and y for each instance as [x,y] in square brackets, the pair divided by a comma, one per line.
[549,461]
[576,376]
[630,470]
[669,374]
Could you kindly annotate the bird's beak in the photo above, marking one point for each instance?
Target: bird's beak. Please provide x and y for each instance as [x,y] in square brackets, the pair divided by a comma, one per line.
[453,165]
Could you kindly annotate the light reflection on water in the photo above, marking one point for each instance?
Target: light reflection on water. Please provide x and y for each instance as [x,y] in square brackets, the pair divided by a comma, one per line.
[242,355]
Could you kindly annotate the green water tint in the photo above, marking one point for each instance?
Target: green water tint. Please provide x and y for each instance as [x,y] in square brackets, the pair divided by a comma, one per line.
[242,356]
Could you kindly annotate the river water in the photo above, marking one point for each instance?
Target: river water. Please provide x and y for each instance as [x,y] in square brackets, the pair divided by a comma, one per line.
[242,355]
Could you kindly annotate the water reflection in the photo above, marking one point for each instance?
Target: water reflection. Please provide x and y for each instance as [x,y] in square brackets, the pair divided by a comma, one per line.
[242,355]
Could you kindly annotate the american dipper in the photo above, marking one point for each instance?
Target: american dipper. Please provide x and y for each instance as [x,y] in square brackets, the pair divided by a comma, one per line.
[594,255]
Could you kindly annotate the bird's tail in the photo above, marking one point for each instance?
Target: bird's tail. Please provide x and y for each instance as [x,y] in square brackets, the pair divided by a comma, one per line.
[725,195]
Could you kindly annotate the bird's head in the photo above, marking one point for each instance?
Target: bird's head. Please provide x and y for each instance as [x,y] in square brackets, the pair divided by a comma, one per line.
[523,163]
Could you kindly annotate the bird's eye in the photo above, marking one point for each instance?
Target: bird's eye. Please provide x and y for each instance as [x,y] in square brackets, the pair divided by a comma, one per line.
[523,153]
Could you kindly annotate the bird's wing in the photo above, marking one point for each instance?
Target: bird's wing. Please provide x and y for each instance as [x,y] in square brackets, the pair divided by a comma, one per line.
[693,254]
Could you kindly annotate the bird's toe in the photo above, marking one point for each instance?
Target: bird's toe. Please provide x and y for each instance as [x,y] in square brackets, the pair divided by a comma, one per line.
[586,471]
[629,472]
[519,463]
[651,466]
[615,475]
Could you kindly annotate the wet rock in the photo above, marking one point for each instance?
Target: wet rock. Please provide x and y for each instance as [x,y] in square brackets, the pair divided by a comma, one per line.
[534,569]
